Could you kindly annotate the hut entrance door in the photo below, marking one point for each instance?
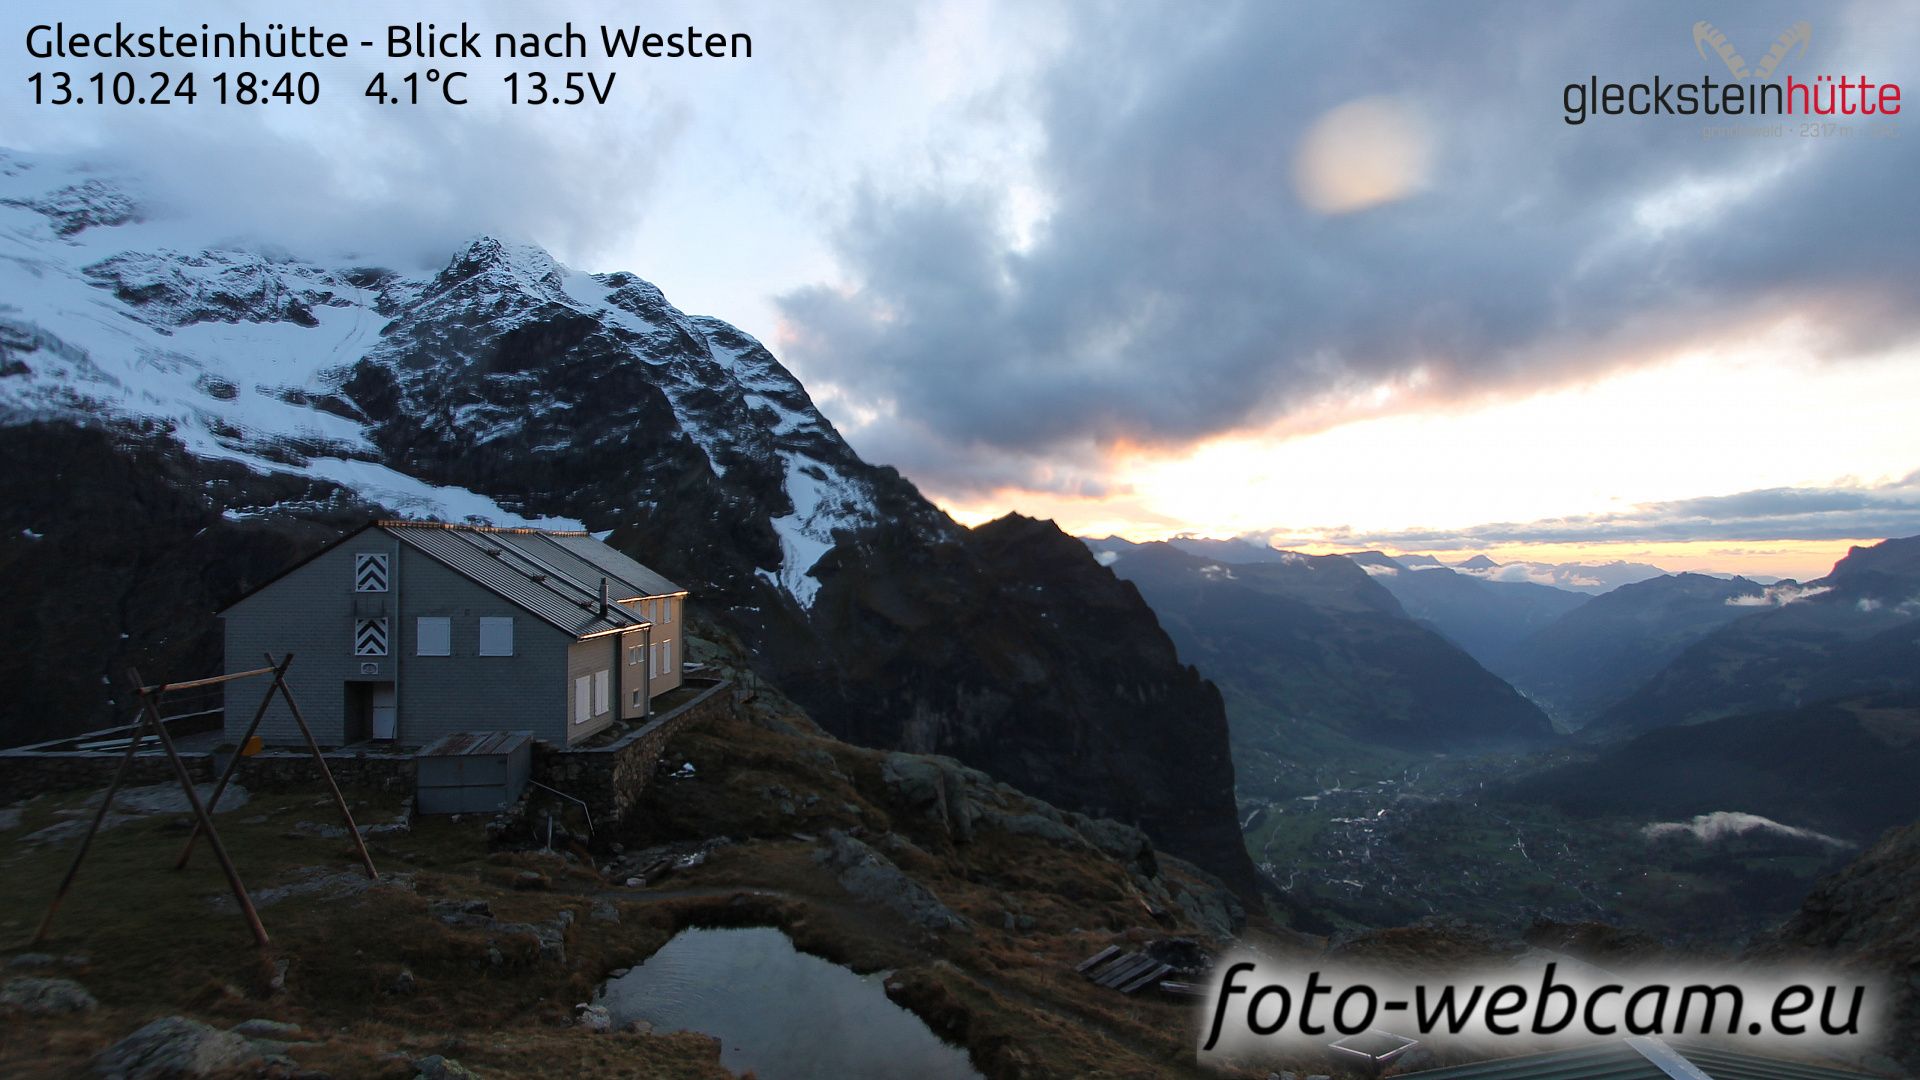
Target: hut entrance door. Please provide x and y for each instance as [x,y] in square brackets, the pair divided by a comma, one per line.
[381,711]
[371,711]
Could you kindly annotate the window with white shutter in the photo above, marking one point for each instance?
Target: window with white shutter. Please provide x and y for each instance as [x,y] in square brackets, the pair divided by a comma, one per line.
[433,636]
[602,695]
[496,635]
[582,699]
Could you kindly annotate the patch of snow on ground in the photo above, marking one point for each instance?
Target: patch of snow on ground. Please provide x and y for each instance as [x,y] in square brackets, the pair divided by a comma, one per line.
[416,498]
[807,534]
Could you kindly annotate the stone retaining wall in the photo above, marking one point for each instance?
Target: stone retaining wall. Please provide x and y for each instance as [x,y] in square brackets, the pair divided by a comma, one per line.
[611,778]
[282,770]
[26,775]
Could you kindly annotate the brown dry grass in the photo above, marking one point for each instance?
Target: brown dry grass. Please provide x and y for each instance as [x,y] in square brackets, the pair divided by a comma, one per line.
[157,946]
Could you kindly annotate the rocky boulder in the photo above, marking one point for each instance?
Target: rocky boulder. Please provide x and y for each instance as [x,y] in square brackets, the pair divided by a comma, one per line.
[46,997]
[872,878]
[935,788]
[1867,917]
[174,1048]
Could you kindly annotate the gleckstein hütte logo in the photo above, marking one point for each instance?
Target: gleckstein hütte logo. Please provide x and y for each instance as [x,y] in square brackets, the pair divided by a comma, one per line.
[1708,36]
[1751,90]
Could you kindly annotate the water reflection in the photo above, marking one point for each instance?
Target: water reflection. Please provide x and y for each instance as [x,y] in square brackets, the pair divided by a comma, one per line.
[779,1012]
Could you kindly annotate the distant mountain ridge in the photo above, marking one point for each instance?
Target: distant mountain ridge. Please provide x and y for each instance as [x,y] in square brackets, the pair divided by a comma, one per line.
[1854,631]
[1488,618]
[1317,639]
[1594,579]
[1599,653]
[1591,579]
[1843,768]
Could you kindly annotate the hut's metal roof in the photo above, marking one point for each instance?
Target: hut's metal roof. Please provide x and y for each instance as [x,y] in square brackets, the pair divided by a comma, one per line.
[555,576]
[477,744]
[1640,1059]
[615,564]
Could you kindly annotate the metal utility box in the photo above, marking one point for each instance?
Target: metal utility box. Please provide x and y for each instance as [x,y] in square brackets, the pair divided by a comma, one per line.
[473,772]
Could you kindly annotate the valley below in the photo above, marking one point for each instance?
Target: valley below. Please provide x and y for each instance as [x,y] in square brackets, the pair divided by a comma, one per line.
[1436,839]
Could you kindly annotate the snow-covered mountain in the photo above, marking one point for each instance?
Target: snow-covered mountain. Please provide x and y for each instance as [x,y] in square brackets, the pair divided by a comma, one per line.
[1592,579]
[285,365]
[183,415]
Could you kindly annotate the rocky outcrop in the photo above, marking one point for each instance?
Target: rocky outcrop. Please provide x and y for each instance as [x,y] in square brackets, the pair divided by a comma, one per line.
[872,878]
[441,1067]
[45,997]
[957,800]
[549,938]
[1867,916]
[962,804]
[174,1048]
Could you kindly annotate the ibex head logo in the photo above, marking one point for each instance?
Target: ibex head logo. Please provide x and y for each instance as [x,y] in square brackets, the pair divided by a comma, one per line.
[1706,35]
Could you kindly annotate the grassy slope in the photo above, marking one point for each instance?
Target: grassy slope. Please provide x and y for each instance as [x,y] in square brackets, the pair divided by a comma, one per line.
[157,946]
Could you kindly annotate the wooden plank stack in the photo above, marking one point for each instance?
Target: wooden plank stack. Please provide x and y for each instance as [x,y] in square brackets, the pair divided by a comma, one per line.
[1127,972]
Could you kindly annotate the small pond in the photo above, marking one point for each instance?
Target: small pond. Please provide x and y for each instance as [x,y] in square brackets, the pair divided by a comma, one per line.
[778,1011]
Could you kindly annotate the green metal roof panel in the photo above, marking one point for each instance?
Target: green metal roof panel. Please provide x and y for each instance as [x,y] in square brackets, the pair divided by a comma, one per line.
[539,589]
[1620,1061]
[616,564]
[1724,1064]
[1606,1061]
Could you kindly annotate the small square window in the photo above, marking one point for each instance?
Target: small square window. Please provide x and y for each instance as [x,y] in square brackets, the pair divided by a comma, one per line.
[639,699]
[496,635]
[433,636]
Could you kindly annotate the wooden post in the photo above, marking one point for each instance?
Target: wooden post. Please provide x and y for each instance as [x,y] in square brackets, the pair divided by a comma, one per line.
[280,682]
[213,802]
[200,812]
[119,775]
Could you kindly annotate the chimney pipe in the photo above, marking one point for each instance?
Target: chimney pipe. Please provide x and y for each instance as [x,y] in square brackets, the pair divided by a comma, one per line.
[604,602]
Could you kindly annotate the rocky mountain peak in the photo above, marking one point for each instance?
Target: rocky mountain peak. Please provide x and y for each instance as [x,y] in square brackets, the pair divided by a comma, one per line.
[489,266]
[75,208]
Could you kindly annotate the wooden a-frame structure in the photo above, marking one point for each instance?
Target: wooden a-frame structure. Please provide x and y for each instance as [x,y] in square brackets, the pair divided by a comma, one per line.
[149,697]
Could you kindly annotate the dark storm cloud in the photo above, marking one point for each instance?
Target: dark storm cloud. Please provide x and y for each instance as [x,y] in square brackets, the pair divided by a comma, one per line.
[1180,289]
[410,188]
[1811,513]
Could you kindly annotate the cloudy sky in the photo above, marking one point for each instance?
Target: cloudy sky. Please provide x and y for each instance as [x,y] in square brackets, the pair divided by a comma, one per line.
[1337,275]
